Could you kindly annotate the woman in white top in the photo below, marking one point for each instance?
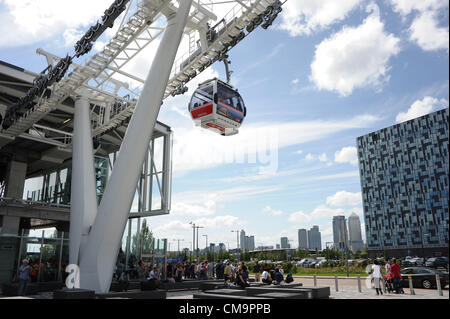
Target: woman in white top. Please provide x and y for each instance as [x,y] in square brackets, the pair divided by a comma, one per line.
[265,277]
[377,277]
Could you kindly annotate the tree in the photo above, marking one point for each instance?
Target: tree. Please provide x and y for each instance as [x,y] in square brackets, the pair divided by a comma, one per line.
[145,238]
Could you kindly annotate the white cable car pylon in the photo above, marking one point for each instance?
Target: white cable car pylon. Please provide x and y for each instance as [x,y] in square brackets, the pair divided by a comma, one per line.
[99,229]
[104,240]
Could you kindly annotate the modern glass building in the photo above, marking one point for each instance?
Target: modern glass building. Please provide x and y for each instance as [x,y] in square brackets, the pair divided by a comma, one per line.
[340,233]
[354,233]
[302,239]
[405,188]
[314,238]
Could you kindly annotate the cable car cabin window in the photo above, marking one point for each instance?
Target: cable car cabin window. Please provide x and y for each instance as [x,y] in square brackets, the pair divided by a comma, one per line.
[230,97]
[201,97]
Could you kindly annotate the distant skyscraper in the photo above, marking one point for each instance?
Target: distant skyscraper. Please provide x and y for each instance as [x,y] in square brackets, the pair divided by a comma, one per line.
[247,243]
[340,234]
[242,241]
[404,173]
[285,243]
[278,246]
[250,245]
[222,247]
[354,232]
[314,238]
[302,239]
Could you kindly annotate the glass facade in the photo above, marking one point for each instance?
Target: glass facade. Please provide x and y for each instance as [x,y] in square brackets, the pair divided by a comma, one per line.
[404,180]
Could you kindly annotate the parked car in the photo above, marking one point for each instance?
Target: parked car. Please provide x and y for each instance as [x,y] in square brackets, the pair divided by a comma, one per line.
[408,263]
[301,262]
[436,262]
[423,277]
[320,263]
[417,261]
[308,262]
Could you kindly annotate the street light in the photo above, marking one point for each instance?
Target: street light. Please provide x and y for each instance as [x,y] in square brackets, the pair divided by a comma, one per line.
[193,239]
[206,248]
[178,240]
[237,241]
[198,250]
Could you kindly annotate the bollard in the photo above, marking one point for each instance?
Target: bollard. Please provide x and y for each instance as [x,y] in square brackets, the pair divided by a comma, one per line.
[383,284]
[315,280]
[438,285]
[411,288]
[359,283]
[336,283]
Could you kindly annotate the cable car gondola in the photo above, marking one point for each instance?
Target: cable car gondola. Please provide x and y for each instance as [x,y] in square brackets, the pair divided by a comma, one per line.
[218,107]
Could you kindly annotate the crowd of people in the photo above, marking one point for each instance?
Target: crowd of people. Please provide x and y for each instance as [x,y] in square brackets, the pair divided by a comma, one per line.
[232,275]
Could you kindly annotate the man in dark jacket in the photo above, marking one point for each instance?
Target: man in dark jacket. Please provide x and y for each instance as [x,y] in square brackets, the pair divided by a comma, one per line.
[257,271]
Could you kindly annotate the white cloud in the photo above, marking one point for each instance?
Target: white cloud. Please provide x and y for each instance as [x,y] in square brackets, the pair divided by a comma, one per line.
[299,217]
[196,148]
[309,157]
[295,81]
[323,211]
[306,16]
[299,152]
[188,209]
[343,198]
[347,155]
[270,210]
[220,222]
[420,108]
[26,22]
[427,34]
[355,57]
[405,7]
[323,157]
[425,30]
[71,36]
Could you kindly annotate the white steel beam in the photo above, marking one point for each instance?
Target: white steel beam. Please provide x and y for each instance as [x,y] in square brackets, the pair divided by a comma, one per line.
[83,201]
[99,256]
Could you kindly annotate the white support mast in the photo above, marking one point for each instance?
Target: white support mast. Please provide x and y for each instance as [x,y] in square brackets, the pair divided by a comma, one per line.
[98,258]
[83,202]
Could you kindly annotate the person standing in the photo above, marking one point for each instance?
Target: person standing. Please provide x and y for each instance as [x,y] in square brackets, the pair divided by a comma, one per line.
[24,277]
[257,271]
[396,276]
[266,277]
[377,277]
[387,267]
[227,272]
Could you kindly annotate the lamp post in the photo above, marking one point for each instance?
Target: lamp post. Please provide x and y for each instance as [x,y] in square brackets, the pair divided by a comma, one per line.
[237,241]
[193,239]
[206,248]
[178,240]
[198,250]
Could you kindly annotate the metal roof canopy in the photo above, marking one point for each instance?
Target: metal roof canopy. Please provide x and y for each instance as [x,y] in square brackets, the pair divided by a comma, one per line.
[46,146]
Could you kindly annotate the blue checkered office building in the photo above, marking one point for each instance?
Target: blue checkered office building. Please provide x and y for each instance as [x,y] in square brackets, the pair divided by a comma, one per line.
[405,187]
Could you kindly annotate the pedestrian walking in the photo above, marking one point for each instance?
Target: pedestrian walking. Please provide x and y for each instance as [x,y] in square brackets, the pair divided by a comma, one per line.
[377,277]
[24,277]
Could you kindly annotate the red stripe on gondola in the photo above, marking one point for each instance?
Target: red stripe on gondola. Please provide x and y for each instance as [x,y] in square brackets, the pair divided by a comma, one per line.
[231,108]
[202,110]
[220,128]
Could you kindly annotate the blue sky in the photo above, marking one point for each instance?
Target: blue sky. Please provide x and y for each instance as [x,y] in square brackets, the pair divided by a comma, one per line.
[327,72]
